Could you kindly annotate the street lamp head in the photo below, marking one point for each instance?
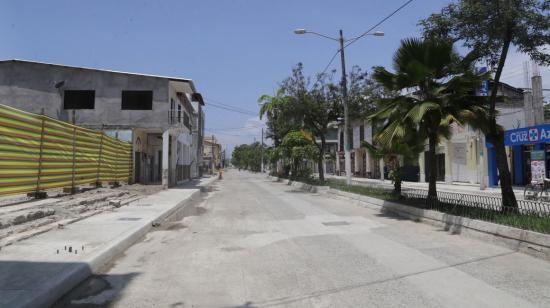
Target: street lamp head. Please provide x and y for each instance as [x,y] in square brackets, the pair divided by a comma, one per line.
[299,31]
[378,33]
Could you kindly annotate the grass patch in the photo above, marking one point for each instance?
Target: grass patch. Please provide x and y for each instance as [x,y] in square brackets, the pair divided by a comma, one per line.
[375,192]
[539,222]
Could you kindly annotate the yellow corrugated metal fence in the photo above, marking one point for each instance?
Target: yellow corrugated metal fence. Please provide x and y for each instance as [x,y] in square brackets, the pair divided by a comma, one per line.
[38,152]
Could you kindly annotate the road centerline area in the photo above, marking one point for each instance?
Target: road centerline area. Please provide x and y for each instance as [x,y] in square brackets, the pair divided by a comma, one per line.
[257,243]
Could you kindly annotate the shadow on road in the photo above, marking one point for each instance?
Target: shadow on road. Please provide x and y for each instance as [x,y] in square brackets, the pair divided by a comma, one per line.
[20,286]
[96,291]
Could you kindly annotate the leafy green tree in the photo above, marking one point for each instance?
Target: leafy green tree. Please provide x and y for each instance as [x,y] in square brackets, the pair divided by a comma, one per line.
[442,83]
[363,91]
[298,146]
[248,156]
[313,105]
[488,28]
[282,116]
[318,104]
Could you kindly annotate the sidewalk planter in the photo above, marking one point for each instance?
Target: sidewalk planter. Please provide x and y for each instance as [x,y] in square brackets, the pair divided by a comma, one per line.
[529,242]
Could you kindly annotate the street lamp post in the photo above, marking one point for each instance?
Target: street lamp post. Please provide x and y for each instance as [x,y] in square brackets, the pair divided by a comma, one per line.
[347,125]
[262,148]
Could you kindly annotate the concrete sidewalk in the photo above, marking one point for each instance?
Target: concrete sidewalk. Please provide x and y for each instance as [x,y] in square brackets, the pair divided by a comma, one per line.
[38,271]
[465,188]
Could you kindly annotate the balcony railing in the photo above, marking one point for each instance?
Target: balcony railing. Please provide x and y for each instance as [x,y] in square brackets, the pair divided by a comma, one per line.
[179,118]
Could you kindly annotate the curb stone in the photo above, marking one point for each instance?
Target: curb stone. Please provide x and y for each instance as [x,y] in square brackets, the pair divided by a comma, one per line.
[526,241]
[67,279]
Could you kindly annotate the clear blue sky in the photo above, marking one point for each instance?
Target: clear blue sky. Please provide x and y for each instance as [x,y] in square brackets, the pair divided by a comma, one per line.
[233,50]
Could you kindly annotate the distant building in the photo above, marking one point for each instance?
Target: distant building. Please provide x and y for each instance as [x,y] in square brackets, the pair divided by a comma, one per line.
[467,157]
[162,116]
[212,154]
[331,150]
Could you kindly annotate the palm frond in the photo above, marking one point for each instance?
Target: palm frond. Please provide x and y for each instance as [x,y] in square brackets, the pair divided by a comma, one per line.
[417,113]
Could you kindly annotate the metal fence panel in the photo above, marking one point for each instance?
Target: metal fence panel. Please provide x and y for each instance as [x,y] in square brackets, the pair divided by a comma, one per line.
[38,152]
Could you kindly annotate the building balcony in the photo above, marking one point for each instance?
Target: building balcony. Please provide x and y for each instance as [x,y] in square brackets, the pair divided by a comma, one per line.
[179,120]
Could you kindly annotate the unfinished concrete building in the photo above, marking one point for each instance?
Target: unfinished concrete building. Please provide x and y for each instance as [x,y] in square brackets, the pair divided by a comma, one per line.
[161,116]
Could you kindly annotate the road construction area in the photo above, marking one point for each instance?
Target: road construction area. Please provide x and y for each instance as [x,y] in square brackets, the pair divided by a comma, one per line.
[257,243]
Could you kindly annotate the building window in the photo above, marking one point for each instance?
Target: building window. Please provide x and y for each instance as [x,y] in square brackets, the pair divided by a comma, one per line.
[179,113]
[137,100]
[186,121]
[361,133]
[79,99]
[172,108]
[341,141]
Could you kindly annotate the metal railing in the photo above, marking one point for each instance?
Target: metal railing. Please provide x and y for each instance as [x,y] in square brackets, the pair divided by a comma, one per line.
[179,119]
[530,214]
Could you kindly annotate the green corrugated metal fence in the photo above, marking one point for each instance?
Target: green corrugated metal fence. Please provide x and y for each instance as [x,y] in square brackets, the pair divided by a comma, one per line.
[38,152]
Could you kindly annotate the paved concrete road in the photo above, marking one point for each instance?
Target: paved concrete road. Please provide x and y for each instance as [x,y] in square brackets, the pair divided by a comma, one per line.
[254,243]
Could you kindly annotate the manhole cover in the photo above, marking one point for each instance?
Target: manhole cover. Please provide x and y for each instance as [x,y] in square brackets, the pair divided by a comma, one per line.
[129,218]
[336,223]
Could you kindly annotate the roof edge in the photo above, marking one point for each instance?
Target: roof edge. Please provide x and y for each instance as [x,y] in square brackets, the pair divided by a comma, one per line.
[104,70]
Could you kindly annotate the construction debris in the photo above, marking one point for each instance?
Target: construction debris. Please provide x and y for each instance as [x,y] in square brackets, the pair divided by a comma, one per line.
[23,216]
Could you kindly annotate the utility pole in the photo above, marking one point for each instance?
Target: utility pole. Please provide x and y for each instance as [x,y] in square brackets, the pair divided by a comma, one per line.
[347,127]
[213,156]
[262,150]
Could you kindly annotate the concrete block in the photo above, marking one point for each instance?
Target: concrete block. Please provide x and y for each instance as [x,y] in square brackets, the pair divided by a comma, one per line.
[71,190]
[38,195]
[115,203]
[19,219]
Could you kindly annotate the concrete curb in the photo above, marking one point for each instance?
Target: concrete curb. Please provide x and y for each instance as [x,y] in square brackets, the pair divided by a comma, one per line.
[68,279]
[529,242]
[300,185]
[117,247]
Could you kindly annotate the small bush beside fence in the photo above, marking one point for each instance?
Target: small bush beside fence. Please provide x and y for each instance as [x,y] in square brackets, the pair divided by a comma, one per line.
[38,152]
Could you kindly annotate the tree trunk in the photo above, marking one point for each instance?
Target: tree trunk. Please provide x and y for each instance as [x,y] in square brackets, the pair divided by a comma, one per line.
[295,163]
[432,174]
[397,179]
[496,136]
[505,177]
[320,159]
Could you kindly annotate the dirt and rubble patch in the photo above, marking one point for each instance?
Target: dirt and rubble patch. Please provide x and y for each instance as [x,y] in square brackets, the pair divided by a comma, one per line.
[22,217]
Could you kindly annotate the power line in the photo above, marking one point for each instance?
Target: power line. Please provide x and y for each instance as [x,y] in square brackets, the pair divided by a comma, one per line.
[379,23]
[234,128]
[330,62]
[231,109]
[228,106]
[234,135]
[365,33]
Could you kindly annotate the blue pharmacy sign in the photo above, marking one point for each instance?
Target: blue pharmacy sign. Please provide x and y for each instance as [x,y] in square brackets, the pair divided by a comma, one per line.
[527,135]
[484,88]
[484,91]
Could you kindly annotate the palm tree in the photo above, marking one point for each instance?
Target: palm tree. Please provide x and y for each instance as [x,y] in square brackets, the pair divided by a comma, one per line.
[441,86]
[281,119]
[396,154]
